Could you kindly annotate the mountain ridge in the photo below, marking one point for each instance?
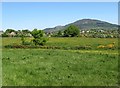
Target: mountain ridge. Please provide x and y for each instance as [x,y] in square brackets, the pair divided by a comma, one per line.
[86,24]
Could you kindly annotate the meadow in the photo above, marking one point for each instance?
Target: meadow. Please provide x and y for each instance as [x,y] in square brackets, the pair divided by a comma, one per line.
[60,67]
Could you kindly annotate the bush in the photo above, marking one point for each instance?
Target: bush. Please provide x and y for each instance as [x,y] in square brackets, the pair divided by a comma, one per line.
[8,46]
[38,37]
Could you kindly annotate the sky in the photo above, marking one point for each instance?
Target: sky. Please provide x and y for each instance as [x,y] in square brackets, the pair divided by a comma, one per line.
[30,15]
[60,0]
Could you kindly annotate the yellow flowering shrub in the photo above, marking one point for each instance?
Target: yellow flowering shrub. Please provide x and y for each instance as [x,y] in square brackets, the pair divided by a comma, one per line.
[110,46]
[101,46]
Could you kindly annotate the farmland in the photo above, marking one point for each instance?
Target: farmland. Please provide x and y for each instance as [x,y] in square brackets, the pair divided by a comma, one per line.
[61,67]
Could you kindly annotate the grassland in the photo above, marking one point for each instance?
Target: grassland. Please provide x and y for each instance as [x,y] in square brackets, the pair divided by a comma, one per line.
[52,67]
[68,42]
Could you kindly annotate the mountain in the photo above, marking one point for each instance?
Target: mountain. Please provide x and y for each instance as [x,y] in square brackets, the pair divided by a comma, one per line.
[86,24]
[57,28]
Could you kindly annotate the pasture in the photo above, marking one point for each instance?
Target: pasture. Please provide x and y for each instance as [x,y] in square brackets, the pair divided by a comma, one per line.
[57,67]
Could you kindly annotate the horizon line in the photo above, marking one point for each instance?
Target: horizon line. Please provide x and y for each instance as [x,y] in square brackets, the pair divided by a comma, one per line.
[61,25]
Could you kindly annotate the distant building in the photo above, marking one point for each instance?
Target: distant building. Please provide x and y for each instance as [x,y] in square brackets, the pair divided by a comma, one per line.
[12,34]
[87,31]
[83,32]
[101,30]
[1,32]
[49,34]
[28,35]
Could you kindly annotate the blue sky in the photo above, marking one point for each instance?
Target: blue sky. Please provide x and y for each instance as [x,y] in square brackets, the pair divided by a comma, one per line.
[30,15]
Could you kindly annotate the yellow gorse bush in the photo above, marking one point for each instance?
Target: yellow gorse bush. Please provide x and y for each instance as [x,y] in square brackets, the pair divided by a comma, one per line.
[112,45]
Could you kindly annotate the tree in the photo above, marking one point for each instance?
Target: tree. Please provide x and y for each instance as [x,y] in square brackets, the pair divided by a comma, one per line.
[4,35]
[9,31]
[38,37]
[25,31]
[71,31]
[59,34]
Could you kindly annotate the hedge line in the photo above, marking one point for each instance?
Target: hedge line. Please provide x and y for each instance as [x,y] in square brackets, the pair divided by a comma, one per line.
[55,47]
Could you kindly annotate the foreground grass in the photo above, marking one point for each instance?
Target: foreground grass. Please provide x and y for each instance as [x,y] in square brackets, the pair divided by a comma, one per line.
[38,67]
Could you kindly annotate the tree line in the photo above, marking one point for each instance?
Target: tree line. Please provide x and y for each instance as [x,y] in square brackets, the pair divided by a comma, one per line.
[70,31]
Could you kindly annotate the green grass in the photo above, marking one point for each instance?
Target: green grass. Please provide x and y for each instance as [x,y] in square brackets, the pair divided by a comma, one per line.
[68,42]
[59,68]
[49,67]
[76,41]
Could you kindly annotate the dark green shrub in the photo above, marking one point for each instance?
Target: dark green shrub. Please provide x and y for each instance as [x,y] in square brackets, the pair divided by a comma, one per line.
[8,46]
[71,31]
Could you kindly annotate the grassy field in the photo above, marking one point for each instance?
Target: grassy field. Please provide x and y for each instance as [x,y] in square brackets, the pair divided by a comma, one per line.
[68,42]
[49,67]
